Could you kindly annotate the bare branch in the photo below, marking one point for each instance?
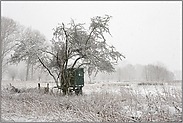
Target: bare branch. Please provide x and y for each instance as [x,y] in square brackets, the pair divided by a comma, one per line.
[47,69]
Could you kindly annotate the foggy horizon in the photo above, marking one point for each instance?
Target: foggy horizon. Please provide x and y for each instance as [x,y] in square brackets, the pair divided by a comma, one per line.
[144,32]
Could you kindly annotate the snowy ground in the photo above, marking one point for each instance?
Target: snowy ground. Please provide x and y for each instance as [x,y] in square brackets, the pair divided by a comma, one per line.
[101,102]
[106,86]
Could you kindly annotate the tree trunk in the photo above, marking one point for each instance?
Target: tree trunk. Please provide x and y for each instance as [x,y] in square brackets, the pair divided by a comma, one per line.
[27,73]
[65,90]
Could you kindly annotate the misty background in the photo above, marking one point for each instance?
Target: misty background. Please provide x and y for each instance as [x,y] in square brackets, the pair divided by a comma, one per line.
[148,34]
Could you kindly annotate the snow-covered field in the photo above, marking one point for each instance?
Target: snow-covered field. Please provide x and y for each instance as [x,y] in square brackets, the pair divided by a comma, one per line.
[100,102]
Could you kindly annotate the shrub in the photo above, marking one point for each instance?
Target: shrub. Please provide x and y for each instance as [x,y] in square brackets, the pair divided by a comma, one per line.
[128,106]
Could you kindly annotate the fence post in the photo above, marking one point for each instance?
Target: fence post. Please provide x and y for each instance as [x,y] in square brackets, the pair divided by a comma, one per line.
[47,87]
[38,85]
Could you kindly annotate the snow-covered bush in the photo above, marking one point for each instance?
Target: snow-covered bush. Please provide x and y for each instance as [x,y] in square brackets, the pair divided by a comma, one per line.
[129,105]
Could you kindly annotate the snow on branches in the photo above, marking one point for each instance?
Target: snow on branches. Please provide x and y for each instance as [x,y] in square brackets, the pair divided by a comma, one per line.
[74,46]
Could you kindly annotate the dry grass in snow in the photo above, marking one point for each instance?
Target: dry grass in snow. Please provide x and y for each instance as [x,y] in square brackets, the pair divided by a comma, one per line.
[33,105]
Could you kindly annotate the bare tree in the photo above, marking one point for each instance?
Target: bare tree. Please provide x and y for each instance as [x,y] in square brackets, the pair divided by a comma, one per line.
[148,73]
[157,73]
[9,31]
[73,47]
[22,74]
[12,72]
[28,47]
[40,71]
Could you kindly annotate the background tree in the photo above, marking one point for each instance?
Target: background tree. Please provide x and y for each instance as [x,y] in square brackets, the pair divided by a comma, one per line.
[28,47]
[22,71]
[40,72]
[119,71]
[73,47]
[128,72]
[139,72]
[12,72]
[9,33]
[157,73]
[178,74]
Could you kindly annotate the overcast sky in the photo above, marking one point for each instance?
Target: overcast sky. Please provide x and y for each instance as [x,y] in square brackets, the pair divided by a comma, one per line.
[145,32]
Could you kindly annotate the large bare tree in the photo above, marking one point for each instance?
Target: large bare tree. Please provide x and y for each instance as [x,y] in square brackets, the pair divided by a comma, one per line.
[74,46]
